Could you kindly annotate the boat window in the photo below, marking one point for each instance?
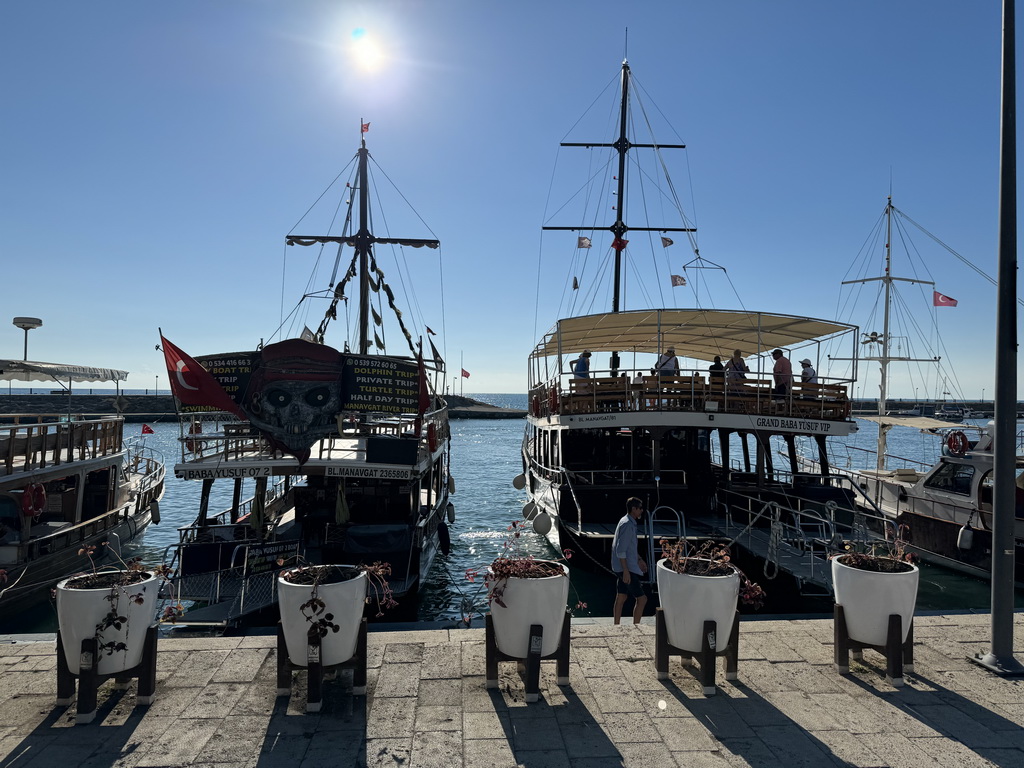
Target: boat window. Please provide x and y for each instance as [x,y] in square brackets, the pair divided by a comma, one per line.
[952,478]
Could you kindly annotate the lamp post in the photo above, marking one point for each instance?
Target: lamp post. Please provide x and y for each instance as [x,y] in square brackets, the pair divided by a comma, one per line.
[27,324]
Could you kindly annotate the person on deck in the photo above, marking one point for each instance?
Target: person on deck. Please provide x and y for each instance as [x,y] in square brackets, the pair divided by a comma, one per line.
[716,370]
[736,370]
[629,567]
[668,363]
[783,374]
[581,366]
[808,375]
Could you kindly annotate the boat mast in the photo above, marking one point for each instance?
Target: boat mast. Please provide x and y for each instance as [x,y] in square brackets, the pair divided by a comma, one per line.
[619,228]
[885,358]
[362,242]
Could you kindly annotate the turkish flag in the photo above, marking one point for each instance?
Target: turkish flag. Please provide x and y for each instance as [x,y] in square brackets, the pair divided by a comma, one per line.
[147,430]
[940,300]
[465,373]
[193,385]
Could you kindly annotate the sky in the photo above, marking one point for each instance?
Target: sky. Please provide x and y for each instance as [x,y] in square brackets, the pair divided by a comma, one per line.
[154,156]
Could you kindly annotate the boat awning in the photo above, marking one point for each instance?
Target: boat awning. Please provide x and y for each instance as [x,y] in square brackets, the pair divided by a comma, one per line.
[27,370]
[915,422]
[695,333]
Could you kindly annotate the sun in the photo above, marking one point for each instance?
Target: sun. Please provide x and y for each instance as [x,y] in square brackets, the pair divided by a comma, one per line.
[366,52]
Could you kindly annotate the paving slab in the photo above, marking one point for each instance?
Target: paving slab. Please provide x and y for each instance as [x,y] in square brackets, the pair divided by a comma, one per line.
[427,704]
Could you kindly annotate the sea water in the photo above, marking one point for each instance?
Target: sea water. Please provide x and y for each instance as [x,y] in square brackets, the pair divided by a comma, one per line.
[485,458]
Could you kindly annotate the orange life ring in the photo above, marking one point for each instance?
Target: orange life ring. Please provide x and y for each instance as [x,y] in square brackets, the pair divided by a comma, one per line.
[957,443]
[195,428]
[33,500]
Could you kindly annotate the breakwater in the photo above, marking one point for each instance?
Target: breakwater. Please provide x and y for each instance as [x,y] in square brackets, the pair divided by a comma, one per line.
[138,408]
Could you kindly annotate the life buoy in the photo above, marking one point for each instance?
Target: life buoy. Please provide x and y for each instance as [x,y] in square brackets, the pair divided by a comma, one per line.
[957,443]
[432,437]
[33,500]
[195,428]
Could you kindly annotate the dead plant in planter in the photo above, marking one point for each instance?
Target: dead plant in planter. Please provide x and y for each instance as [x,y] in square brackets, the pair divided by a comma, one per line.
[314,610]
[891,557]
[513,562]
[710,559]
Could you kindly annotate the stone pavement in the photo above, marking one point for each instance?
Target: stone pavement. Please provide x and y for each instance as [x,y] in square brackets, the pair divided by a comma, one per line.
[427,706]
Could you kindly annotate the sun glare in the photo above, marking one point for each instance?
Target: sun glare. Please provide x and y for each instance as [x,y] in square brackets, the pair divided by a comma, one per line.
[367,54]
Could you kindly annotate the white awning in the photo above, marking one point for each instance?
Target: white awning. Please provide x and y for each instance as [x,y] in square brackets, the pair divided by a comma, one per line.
[27,370]
[695,333]
[915,422]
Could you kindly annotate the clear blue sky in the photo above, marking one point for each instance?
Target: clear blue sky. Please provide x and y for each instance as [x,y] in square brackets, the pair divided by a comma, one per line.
[154,155]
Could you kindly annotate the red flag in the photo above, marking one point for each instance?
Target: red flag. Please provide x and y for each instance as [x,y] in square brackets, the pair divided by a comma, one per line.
[193,385]
[430,331]
[465,373]
[366,127]
[939,300]
[618,244]
[147,430]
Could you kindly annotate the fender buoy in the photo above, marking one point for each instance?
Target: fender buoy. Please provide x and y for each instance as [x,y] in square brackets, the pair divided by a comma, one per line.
[444,538]
[957,443]
[965,538]
[451,512]
[154,511]
[33,500]
[432,437]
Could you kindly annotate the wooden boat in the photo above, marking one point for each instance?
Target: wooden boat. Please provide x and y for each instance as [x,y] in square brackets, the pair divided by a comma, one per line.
[347,451]
[698,448]
[67,482]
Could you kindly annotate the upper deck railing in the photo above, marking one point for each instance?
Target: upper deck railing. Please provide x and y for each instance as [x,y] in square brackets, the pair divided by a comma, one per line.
[40,441]
[689,391]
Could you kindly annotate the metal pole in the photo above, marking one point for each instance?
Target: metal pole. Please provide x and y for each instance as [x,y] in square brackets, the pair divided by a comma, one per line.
[1000,659]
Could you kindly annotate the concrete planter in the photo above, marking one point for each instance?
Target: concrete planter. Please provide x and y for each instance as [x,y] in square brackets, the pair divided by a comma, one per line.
[529,601]
[83,613]
[688,600]
[339,616]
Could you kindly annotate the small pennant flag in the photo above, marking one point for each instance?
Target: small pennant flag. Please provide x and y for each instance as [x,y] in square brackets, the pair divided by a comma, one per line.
[940,300]
[678,280]
[582,242]
[619,244]
[666,242]
[575,284]
[465,373]
[147,430]
[430,331]
[366,127]
[307,335]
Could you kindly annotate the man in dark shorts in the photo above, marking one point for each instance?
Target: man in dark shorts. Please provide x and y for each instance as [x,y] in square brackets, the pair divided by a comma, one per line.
[629,567]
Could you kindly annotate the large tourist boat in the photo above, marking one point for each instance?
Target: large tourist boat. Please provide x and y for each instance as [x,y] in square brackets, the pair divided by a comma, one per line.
[347,451]
[67,482]
[710,451]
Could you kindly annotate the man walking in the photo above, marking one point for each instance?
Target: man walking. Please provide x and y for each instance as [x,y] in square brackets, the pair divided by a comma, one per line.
[629,567]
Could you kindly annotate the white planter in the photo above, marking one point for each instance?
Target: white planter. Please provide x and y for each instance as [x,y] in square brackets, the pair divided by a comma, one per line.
[344,602]
[687,601]
[868,598]
[80,611]
[529,601]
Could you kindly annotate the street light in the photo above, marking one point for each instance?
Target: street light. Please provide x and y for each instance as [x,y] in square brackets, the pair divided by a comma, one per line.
[27,324]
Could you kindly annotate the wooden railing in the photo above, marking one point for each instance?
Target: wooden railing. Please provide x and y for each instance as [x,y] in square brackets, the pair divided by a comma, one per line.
[29,446]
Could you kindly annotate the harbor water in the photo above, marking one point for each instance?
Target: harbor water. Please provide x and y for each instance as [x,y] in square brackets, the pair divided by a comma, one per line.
[485,459]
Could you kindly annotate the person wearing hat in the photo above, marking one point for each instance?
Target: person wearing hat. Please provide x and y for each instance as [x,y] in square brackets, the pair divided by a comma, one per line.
[668,363]
[782,373]
[581,365]
[808,375]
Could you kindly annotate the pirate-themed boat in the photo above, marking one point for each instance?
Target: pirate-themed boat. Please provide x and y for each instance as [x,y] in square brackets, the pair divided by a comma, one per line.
[347,450]
[699,448]
[67,482]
